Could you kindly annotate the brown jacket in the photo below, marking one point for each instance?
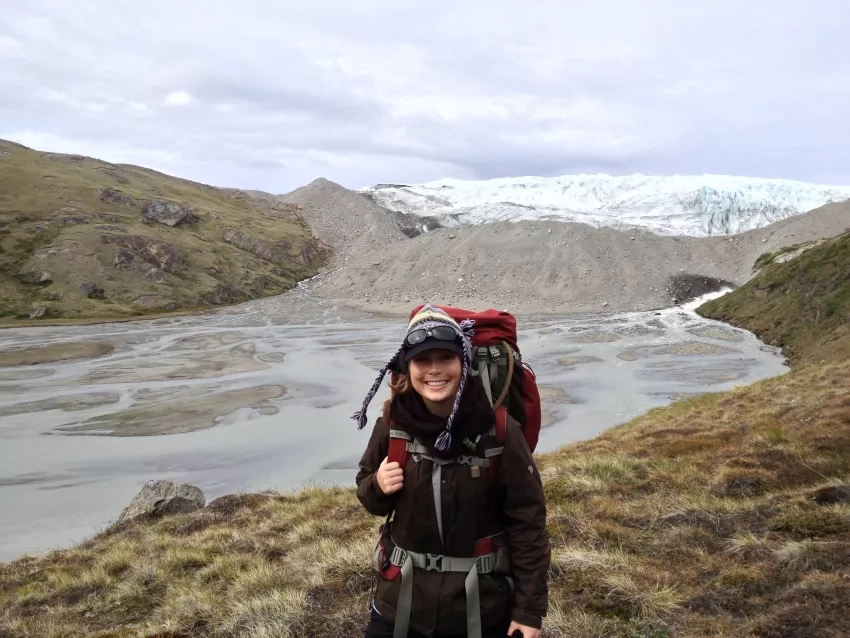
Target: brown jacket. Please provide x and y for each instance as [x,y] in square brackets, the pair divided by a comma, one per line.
[472,508]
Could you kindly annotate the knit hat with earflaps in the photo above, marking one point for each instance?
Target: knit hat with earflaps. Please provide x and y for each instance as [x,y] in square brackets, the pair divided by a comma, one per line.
[428,317]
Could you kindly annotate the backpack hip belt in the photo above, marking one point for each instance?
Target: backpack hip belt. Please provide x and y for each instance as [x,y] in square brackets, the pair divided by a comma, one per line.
[489,556]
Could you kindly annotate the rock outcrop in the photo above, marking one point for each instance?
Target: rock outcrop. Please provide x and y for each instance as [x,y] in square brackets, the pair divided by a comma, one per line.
[164,256]
[113,196]
[162,498]
[686,287]
[36,277]
[168,213]
[274,254]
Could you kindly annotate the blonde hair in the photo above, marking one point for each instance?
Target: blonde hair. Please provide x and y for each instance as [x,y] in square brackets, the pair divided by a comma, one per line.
[400,387]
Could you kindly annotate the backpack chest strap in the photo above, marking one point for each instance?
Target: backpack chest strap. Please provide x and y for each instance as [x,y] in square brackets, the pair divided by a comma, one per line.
[418,449]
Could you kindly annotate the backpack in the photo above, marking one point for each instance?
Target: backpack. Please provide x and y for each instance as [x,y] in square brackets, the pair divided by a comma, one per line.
[509,382]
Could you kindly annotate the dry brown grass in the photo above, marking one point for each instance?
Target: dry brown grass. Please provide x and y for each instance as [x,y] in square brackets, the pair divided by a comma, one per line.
[258,565]
[706,527]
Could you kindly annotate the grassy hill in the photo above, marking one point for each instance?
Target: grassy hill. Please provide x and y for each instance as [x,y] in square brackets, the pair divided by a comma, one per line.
[719,516]
[85,239]
[802,305]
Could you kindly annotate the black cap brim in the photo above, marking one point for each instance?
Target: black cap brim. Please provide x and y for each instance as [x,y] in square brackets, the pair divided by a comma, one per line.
[433,344]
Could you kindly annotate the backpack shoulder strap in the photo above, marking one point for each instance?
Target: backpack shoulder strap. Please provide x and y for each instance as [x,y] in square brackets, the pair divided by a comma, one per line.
[494,455]
[398,447]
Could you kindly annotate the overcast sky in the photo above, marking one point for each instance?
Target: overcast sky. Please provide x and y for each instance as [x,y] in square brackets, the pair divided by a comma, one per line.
[272,94]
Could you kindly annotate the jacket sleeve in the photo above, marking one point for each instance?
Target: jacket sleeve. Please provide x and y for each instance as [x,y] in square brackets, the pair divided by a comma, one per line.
[525,528]
[368,491]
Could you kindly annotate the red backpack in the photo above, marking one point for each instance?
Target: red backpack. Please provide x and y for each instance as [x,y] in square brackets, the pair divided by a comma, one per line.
[509,382]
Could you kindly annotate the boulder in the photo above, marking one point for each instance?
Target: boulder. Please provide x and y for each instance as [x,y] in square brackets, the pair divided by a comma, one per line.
[35,277]
[90,290]
[124,259]
[154,274]
[38,313]
[168,213]
[163,498]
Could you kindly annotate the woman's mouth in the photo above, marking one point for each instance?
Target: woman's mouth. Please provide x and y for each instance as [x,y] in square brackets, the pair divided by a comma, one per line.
[436,384]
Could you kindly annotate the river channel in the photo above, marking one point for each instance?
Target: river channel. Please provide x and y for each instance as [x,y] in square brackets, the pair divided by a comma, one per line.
[258,397]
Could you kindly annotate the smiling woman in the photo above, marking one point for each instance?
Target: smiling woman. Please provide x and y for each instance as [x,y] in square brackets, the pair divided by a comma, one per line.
[435,375]
[455,526]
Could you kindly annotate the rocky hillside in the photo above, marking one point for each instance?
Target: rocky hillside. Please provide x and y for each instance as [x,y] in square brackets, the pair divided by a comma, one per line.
[550,266]
[802,304]
[84,239]
[350,223]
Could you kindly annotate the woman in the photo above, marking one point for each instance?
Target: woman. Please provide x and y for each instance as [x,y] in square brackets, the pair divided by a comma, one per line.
[467,552]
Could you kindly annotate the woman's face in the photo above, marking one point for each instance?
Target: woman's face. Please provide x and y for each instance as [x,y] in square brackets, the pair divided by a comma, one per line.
[435,375]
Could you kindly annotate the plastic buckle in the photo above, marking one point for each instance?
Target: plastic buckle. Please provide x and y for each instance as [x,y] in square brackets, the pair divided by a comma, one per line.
[398,556]
[433,563]
[485,564]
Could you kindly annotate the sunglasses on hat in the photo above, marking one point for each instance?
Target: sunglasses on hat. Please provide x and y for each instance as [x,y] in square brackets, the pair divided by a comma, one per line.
[441,333]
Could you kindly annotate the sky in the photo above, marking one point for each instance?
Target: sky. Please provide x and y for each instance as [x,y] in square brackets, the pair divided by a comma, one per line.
[272,94]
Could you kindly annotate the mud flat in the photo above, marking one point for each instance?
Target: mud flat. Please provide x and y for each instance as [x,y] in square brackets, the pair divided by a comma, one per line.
[175,417]
[72,351]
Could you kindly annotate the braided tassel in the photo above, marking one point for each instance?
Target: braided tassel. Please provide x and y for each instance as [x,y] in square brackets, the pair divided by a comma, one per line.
[360,415]
[444,441]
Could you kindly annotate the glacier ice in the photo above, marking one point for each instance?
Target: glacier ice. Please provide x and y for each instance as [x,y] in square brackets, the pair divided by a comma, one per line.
[698,205]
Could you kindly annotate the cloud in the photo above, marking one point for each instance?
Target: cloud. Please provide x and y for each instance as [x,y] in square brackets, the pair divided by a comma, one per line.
[177,98]
[275,95]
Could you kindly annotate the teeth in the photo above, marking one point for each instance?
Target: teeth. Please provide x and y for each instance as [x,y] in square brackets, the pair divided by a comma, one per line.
[436,384]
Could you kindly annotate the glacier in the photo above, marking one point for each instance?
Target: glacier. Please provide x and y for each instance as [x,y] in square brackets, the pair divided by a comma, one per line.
[695,205]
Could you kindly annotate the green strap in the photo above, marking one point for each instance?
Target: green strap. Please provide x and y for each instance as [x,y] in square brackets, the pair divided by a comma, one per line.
[436,487]
[484,372]
[405,600]
[473,604]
